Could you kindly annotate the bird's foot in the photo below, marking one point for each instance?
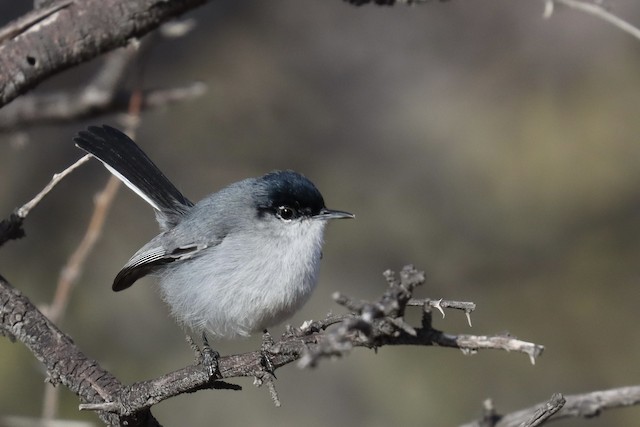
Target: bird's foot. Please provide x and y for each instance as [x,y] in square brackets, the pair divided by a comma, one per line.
[210,358]
[206,356]
[265,359]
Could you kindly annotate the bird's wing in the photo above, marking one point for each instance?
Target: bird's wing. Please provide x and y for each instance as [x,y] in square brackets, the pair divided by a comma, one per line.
[196,232]
[150,258]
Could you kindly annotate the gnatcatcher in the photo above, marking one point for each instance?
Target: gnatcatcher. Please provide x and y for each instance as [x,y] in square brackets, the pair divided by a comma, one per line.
[239,260]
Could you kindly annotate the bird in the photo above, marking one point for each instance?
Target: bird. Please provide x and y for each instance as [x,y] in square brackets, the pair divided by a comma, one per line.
[240,260]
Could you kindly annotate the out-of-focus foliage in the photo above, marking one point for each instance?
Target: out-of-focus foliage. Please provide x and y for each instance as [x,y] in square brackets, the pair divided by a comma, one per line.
[496,150]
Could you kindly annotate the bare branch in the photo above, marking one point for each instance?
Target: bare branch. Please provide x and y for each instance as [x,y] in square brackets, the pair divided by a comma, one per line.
[546,411]
[101,96]
[41,47]
[163,97]
[25,22]
[94,98]
[374,324]
[11,228]
[585,405]
[102,202]
[71,271]
[70,274]
[62,107]
[472,343]
[64,362]
[26,208]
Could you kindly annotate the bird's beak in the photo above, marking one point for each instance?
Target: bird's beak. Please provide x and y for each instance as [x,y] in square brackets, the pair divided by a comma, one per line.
[332,214]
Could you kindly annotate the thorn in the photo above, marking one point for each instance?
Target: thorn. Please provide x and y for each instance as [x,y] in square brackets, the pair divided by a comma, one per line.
[532,358]
[274,394]
[194,347]
[468,314]
[306,325]
[469,351]
[439,307]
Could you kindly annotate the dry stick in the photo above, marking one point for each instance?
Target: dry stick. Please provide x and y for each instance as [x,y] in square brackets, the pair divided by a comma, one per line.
[94,98]
[292,346]
[71,271]
[11,228]
[131,404]
[587,405]
[102,94]
[62,360]
[546,411]
[77,33]
[26,208]
[597,11]
[25,22]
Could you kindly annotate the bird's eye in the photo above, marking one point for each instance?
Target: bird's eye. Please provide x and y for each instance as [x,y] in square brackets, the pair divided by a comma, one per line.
[286,213]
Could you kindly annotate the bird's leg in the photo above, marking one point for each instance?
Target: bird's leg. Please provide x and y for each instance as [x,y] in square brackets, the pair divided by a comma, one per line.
[267,343]
[206,356]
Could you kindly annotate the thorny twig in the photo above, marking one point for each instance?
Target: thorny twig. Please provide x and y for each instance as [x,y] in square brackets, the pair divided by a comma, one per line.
[586,405]
[373,324]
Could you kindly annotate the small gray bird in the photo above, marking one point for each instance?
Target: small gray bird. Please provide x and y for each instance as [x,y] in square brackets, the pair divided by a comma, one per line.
[238,261]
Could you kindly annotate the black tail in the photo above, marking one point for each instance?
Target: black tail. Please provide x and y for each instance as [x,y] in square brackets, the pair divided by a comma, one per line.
[129,163]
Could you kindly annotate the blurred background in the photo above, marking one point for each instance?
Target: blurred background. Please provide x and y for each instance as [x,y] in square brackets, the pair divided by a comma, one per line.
[494,149]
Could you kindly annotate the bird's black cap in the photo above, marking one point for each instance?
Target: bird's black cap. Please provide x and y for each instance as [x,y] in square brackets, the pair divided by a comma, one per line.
[289,188]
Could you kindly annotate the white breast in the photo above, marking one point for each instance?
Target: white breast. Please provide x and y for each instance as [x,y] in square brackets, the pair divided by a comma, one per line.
[248,282]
